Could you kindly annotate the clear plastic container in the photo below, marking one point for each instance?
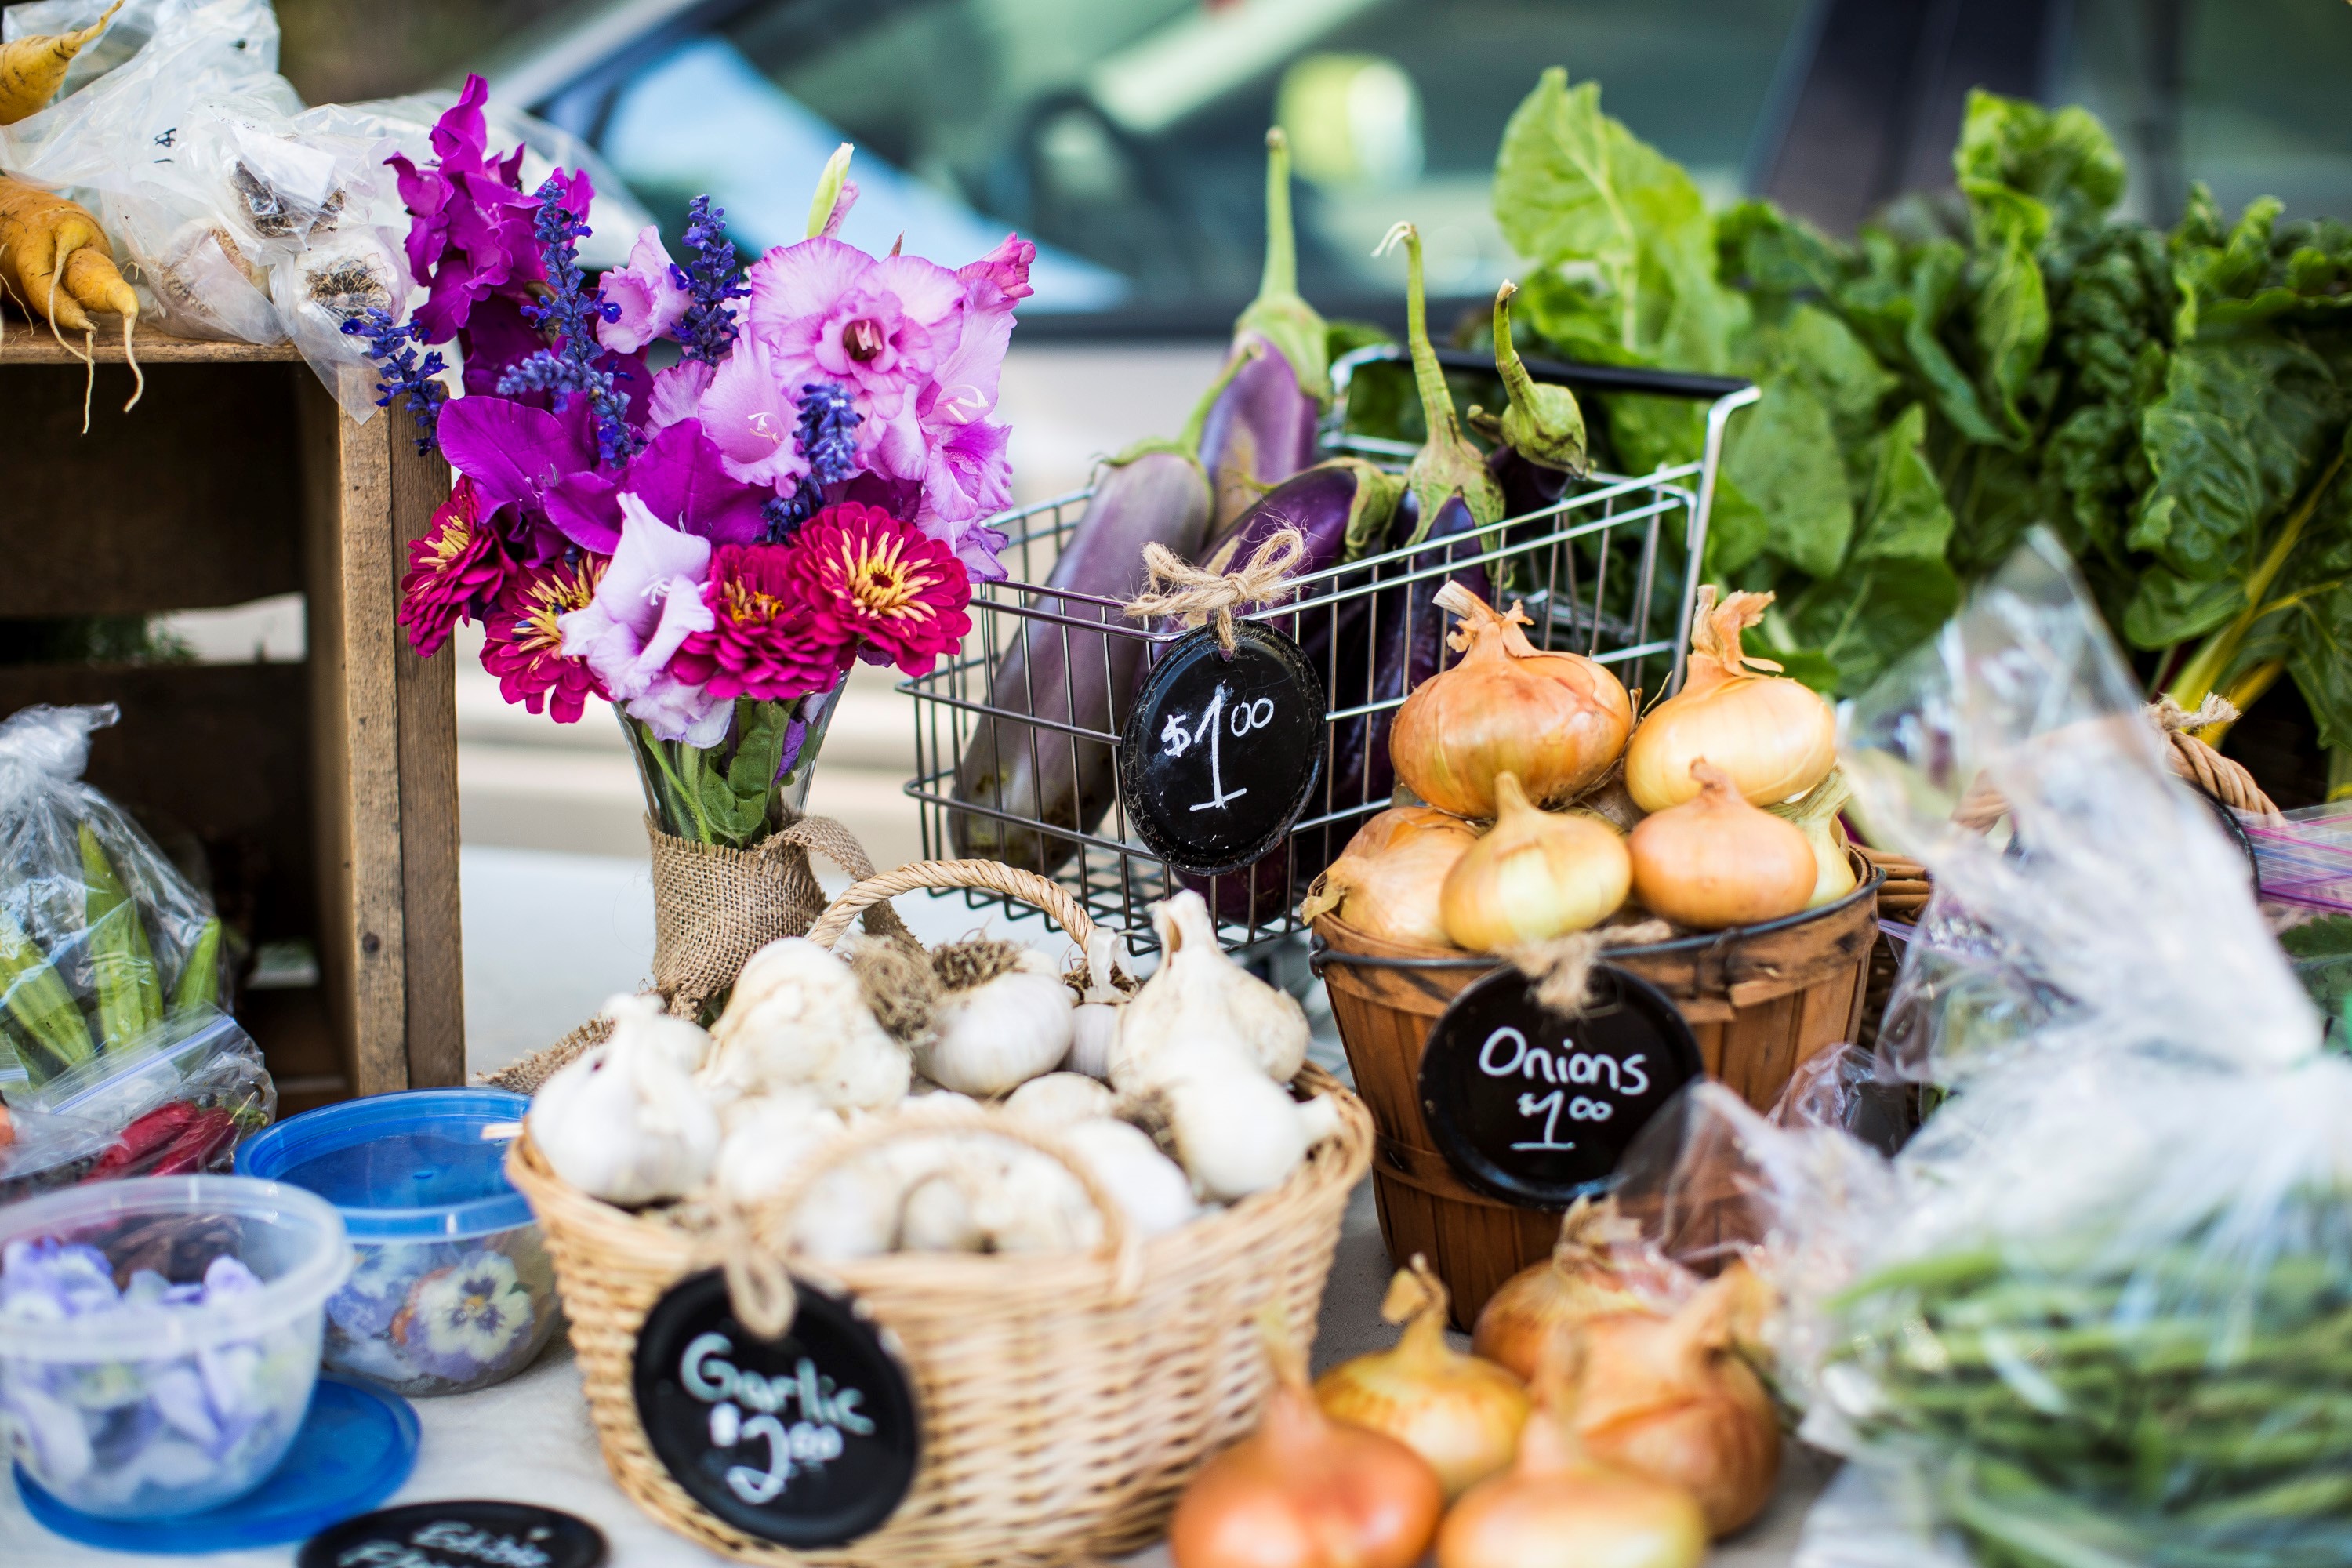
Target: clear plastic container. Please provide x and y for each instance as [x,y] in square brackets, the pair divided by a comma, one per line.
[146,1405]
[454,1288]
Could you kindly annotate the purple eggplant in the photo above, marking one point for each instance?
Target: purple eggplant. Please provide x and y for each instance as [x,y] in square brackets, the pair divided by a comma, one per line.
[1062,673]
[1260,429]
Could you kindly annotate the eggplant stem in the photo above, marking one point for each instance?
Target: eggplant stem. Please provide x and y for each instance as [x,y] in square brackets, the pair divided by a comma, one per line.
[1281,275]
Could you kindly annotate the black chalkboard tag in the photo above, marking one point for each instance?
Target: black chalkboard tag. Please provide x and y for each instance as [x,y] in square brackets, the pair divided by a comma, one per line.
[469,1534]
[1221,752]
[807,1441]
[1533,1109]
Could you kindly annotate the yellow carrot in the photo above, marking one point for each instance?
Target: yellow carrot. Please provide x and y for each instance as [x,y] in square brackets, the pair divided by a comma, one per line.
[31,69]
[56,263]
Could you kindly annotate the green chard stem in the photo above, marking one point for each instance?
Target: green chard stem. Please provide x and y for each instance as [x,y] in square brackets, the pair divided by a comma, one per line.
[2212,659]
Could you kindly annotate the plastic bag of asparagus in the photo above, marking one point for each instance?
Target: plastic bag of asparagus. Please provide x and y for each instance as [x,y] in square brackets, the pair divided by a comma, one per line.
[105,946]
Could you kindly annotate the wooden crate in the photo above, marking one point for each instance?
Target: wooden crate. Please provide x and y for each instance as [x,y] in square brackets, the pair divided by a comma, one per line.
[323,795]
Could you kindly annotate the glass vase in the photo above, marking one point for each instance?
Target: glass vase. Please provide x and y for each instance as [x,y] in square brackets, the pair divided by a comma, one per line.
[754,782]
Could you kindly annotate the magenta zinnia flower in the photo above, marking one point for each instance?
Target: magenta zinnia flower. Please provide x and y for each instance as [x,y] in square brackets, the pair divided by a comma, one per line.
[758,644]
[870,580]
[524,647]
[454,571]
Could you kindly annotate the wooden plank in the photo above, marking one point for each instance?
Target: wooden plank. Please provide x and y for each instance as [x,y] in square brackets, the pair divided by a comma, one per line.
[351,563]
[189,501]
[29,342]
[428,690]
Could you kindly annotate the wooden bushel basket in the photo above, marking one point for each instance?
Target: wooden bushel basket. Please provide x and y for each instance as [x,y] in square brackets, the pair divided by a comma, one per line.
[1761,999]
[1065,1398]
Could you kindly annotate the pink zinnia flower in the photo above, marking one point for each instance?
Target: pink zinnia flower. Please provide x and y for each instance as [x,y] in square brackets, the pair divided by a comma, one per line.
[652,299]
[834,313]
[524,647]
[869,580]
[758,643]
[753,420]
[454,571]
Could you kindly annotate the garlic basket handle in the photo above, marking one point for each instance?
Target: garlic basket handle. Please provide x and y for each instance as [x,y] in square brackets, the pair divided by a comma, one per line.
[993,876]
[758,1280]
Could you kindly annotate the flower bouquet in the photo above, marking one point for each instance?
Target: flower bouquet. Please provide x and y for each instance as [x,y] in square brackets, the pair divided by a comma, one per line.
[707,546]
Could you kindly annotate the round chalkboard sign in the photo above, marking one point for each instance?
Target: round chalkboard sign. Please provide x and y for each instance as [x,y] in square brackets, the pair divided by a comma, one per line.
[1221,752]
[807,1441]
[460,1534]
[1533,1109]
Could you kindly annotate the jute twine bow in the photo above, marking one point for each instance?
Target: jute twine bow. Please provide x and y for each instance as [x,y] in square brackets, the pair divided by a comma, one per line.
[1562,968]
[1196,594]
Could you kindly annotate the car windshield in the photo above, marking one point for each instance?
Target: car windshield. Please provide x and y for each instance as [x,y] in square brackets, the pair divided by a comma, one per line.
[1126,136]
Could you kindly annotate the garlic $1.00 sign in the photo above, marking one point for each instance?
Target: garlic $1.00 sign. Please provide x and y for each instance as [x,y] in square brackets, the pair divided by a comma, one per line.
[1535,1109]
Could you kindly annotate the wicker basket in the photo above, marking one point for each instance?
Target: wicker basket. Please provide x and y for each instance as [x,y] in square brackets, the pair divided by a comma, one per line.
[1066,1399]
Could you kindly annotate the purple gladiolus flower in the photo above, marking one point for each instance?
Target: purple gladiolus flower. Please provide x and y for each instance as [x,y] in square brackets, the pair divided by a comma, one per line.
[644,300]
[471,234]
[681,479]
[649,602]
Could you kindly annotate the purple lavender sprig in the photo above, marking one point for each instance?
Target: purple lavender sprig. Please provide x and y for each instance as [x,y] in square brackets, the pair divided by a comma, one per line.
[400,373]
[571,309]
[713,276]
[828,437]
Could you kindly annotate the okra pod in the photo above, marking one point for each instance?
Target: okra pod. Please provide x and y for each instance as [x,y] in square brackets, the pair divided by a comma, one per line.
[38,999]
[199,982]
[122,964]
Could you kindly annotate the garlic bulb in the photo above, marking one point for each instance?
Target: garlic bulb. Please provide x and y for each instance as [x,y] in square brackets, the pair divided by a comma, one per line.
[1237,1131]
[978,1194]
[768,1140]
[624,1123]
[989,1037]
[1059,1100]
[1197,990]
[1149,1186]
[682,1041]
[1094,1024]
[851,1211]
[798,1019]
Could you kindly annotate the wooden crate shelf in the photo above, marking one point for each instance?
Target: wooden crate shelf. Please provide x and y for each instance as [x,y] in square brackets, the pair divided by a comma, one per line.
[324,794]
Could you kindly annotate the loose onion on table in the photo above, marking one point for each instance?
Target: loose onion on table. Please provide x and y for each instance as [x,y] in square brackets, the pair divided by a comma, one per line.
[1671,1399]
[1715,861]
[1775,736]
[1600,1266]
[1815,814]
[1535,875]
[1461,1414]
[1305,1491]
[1557,721]
[1386,883]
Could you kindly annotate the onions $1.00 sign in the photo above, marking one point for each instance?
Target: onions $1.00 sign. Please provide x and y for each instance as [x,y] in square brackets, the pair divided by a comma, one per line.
[1221,752]
[1534,1108]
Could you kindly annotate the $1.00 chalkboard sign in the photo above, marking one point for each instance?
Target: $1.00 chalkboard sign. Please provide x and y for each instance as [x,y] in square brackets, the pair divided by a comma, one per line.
[1221,752]
[807,1441]
[1533,1109]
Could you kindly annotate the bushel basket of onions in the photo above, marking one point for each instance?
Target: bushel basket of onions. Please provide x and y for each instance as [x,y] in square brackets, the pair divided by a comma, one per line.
[896,1124]
[1698,846]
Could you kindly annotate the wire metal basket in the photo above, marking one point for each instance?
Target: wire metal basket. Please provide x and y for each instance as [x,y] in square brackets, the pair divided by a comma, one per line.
[1610,570]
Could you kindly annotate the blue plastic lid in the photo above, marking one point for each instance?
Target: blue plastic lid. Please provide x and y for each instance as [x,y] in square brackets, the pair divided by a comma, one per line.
[401,1167]
[356,1447]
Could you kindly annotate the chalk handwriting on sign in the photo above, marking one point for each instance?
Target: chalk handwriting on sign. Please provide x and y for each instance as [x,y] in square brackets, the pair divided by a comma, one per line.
[1506,1054]
[449,1539]
[1180,734]
[475,1533]
[825,1410]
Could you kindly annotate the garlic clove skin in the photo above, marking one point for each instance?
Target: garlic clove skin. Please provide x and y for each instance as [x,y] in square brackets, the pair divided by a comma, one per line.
[769,1140]
[797,1019]
[625,1123]
[681,1040]
[1094,1033]
[1060,1099]
[1149,1186]
[1194,983]
[998,1034]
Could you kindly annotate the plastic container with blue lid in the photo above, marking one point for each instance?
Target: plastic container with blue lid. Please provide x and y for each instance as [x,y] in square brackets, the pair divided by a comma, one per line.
[454,1289]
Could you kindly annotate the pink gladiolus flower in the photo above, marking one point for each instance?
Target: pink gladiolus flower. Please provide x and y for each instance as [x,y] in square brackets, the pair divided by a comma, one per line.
[652,300]
[677,394]
[752,419]
[969,477]
[832,312]
[524,642]
[648,604]
[455,571]
[871,581]
[758,644]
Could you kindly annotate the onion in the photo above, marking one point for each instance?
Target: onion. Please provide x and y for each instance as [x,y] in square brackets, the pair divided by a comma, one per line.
[1305,1491]
[1717,861]
[1556,720]
[1671,1399]
[1536,874]
[1776,737]
[1386,882]
[1815,814]
[1461,1414]
[1599,1266]
[1559,1506]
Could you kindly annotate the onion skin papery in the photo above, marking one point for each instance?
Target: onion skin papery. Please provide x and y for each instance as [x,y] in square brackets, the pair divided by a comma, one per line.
[1386,882]
[1599,1267]
[1307,1491]
[1717,861]
[1671,1399]
[1557,1507]
[1775,736]
[1557,721]
[1535,875]
[1816,817]
[1461,1414]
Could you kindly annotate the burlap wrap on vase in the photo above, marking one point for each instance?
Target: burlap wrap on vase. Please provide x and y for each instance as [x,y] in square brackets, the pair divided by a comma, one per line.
[713,909]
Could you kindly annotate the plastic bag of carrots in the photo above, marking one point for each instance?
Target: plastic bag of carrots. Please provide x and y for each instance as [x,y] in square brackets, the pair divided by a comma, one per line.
[105,946]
